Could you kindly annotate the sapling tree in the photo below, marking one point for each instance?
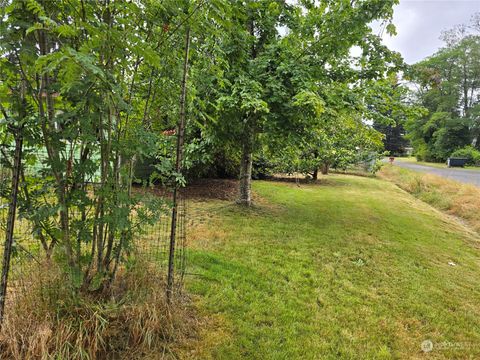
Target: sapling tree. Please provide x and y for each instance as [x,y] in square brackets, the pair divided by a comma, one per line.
[79,65]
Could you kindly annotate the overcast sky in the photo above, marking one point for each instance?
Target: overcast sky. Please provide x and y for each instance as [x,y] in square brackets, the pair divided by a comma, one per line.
[419,25]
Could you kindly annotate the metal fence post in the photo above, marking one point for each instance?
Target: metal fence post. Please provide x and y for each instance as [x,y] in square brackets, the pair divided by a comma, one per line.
[179,163]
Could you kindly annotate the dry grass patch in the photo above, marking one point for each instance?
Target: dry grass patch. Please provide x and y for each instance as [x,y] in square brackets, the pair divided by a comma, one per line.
[130,320]
[457,199]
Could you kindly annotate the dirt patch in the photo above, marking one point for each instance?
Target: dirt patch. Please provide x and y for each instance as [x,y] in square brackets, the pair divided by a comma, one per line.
[218,189]
[203,189]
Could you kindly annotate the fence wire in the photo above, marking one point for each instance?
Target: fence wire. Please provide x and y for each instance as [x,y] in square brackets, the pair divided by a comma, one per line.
[150,245]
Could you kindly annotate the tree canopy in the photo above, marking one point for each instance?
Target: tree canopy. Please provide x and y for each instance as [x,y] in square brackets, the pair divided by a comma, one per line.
[447,85]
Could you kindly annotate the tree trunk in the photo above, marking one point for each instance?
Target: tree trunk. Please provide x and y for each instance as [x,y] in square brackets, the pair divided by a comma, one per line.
[465,90]
[47,123]
[246,175]
[8,247]
[324,169]
[315,174]
[245,193]
[124,232]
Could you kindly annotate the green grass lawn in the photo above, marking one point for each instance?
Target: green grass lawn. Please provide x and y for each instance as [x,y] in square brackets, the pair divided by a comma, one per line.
[432,164]
[350,268]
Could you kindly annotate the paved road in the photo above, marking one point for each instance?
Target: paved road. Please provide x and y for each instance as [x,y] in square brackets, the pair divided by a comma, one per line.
[461,175]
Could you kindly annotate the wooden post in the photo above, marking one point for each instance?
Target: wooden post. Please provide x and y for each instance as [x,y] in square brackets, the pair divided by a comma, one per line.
[7,251]
[178,169]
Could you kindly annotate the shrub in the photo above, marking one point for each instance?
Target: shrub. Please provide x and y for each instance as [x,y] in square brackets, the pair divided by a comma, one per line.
[423,153]
[468,152]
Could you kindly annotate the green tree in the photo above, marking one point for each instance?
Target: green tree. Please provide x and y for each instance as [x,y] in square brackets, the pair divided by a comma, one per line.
[76,82]
[447,85]
[276,51]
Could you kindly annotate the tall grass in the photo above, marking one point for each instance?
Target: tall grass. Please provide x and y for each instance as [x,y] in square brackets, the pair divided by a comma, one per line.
[457,199]
[127,321]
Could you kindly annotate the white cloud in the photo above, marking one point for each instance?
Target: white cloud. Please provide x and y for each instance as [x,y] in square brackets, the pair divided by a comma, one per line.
[420,23]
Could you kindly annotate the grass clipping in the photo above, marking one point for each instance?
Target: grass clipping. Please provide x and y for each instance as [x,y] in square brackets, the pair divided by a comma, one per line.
[129,321]
[457,199]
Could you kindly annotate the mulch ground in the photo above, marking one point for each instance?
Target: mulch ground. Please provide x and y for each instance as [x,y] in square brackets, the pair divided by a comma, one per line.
[220,189]
[202,189]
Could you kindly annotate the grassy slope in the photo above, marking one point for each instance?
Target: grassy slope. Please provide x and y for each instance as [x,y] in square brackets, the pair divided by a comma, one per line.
[353,268]
[458,199]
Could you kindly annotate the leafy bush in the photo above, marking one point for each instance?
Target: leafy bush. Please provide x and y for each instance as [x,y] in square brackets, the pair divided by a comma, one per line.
[468,152]
[424,153]
[371,161]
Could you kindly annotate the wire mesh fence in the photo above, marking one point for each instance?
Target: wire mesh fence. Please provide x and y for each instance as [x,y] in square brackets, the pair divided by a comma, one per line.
[36,239]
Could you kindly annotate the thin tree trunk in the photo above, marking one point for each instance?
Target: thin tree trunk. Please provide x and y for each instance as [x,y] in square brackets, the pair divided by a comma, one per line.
[315,171]
[179,167]
[246,174]
[146,124]
[104,169]
[47,121]
[246,161]
[124,232]
[37,224]
[106,148]
[7,251]
[112,231]
[95,234]
[465,90]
